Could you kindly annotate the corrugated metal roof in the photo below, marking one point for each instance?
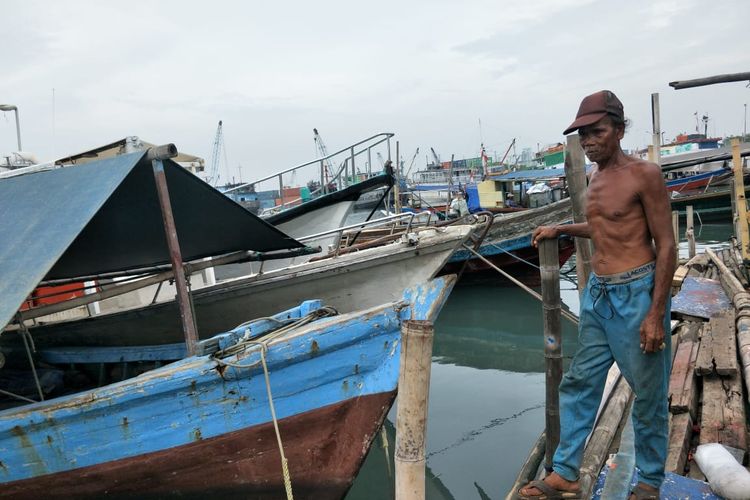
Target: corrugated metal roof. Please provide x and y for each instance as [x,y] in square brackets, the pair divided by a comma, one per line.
[532,174]
[105,216]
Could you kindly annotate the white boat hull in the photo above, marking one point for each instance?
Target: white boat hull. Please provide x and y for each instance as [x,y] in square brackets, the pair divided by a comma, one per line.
[348,282]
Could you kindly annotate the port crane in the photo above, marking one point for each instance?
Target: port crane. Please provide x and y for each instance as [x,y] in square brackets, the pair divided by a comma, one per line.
[213,172]
[329,169]
[411,163]
[435,157]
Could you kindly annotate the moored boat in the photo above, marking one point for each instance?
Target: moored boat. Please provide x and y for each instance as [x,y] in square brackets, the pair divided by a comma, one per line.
[205,425]
[298,395]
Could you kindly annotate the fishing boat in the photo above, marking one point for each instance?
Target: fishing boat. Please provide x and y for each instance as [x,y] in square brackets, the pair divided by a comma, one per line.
[698,180]
[218,423]
[322,209]
[288,402]
[137,311]
[507,244]
[345,282]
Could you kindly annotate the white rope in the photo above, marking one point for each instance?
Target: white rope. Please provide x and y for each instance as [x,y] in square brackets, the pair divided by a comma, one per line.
[242,346]
[284,462]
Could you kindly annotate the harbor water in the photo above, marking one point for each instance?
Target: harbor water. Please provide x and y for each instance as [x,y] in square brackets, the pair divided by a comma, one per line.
[486,402]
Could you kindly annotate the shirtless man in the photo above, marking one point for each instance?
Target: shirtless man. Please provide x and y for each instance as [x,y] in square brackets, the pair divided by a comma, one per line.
[625,307]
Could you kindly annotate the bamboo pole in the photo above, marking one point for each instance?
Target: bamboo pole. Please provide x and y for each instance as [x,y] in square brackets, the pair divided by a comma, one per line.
[740,202]
[575,175]
[411,416]
[565,314]
[549,264]
[690,232]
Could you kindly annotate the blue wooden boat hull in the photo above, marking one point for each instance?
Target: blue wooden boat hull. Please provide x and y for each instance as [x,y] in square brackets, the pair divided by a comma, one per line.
[198,426]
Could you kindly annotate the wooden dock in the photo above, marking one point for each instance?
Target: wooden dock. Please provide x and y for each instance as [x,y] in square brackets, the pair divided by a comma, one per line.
[708,387]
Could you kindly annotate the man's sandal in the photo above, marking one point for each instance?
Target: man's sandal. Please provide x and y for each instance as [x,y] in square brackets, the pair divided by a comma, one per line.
[642,493]
[548,492]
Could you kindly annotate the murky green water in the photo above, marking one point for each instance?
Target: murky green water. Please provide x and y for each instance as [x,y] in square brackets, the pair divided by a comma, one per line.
[486,404]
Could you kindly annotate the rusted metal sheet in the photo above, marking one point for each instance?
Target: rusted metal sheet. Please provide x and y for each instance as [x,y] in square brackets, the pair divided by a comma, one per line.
[701,297]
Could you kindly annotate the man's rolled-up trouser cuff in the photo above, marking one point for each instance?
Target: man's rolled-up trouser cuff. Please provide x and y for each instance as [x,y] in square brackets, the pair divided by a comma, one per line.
[566,472]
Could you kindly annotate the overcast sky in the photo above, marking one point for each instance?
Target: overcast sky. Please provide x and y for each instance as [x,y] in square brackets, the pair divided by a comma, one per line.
[426,70]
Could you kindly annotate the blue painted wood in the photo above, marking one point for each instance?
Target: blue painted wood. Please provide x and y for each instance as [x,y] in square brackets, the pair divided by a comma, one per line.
[674,487]
[62,355]
[326,362]
[701,297]
[173,352]
[496,247]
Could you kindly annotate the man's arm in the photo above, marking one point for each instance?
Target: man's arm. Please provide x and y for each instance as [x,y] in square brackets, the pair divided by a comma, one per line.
[656,207]
[580,230]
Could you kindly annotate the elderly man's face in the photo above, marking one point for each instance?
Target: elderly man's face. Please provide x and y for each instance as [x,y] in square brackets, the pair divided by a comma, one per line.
[601,140]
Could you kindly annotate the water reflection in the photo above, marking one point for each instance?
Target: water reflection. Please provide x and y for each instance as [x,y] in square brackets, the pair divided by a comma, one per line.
[494,327]
[486,405]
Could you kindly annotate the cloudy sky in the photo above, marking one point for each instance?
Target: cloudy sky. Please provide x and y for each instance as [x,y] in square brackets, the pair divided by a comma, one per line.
[168,71]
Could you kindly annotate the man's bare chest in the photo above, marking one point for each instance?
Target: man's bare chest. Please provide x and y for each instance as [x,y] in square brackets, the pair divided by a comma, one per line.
[616,199]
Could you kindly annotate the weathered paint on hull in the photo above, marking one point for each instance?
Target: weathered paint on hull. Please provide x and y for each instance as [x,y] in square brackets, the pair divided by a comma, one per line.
[198,418]
[323,461]
[224,306]
[512,264]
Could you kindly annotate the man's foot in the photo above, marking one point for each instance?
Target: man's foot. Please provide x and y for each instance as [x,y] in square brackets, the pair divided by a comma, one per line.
[552,487]
[644,491]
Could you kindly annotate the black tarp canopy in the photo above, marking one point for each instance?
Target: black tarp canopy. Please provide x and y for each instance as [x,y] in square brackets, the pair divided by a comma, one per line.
[105,216]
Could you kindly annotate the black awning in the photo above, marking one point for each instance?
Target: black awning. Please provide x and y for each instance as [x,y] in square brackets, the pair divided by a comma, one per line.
[105,216]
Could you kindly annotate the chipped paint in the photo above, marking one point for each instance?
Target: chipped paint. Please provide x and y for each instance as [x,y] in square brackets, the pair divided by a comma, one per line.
[154,414]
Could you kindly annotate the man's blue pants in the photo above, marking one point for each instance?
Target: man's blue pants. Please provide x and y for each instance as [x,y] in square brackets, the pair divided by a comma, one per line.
[609,331]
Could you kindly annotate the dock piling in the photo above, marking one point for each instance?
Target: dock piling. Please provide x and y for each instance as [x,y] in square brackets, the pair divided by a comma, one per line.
[550,271]
[411,415]
[676,232]
[740,203]
[575,173]
[690,232]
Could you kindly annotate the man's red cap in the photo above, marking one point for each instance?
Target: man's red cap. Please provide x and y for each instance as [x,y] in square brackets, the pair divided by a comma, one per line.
[594,107]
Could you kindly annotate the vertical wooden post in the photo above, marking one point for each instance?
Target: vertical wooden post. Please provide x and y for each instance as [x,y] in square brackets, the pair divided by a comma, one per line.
[656,128]
[575,175]
[183,299]
[740,202]
[690,232]
[549,264]
[411,416]
[396,187]
[676,232]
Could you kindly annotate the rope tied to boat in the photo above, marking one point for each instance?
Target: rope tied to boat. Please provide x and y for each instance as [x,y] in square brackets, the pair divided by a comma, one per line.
[262,344]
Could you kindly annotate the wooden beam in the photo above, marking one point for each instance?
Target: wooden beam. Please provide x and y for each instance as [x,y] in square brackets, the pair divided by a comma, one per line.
[710,80]
[597,449]
[690,232]
[680,433]
[575,175]
[741,202]
[725,343]
[683,392]
[718,351]
[723,417]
